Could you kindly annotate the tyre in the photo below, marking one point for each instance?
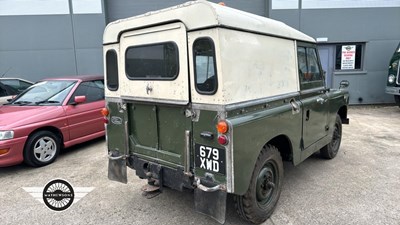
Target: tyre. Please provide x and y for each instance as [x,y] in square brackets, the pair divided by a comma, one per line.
[330,150]
[260,200]
[41,149]
[397,100]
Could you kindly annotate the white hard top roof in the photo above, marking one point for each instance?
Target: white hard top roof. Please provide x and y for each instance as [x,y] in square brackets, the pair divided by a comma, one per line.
[202,14]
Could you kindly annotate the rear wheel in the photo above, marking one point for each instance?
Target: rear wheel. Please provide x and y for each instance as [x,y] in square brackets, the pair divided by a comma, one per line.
[260,200]
[397,100]
[41,149]
[330,150]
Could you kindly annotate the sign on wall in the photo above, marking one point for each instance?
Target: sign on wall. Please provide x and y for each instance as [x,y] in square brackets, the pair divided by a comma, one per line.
[348,57]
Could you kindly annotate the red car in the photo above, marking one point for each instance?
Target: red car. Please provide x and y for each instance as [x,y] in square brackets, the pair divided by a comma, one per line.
[51,114]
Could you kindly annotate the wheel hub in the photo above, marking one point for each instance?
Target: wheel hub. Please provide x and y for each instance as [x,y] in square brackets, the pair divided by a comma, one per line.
[265,185]
[44,149]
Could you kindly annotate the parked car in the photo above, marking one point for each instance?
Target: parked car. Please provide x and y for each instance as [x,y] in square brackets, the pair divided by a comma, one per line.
[215,105]
[52,114]
[10,87]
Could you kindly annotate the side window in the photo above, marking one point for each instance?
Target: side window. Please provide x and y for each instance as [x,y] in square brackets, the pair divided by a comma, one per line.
[301,56]
[3,92]
[24,84]
[93,90]
[205,66]
[312,64]
[309,71]
[112,70]
[12,86]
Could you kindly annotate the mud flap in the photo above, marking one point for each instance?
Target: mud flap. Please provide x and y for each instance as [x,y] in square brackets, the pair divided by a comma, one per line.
[212,204]
[117,170]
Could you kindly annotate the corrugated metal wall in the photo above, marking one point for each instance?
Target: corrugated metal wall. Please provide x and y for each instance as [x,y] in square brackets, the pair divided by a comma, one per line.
[64,37]
[51,38]
[118,9]
[374,23]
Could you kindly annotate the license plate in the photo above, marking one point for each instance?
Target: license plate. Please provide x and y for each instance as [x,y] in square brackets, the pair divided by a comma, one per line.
[210,158]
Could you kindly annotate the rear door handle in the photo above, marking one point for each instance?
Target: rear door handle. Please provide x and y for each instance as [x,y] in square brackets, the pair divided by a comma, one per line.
[207,134]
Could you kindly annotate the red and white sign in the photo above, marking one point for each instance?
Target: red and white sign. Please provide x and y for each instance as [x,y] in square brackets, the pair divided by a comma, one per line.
[348,57]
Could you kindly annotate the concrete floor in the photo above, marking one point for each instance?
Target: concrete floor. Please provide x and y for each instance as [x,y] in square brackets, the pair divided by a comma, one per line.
[360,186]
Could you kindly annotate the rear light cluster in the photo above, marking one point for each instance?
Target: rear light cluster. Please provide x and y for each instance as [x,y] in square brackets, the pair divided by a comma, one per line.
[223,128]
[105,113]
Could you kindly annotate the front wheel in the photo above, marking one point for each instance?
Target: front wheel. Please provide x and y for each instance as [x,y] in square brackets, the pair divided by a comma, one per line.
[41,149]
[330,150]
[260,200]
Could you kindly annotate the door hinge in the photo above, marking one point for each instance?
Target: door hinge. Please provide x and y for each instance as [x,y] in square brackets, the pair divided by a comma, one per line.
[193,114]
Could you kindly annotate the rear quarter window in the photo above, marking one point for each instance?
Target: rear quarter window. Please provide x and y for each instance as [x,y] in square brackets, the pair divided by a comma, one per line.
[112,70]
[205,66]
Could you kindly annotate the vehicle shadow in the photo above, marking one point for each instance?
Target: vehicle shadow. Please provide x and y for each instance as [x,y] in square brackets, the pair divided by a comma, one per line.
[80,147]
[13,170]
[186,198]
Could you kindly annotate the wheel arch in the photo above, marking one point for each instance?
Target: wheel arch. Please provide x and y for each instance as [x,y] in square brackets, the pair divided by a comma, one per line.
[52,129]
[342,112]
[284,146]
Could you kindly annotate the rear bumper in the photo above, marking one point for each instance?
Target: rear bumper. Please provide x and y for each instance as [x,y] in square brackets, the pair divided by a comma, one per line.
[174,178]
[15,149]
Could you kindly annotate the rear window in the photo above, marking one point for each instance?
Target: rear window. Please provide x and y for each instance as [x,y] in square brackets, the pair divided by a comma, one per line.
[205,66]
[152,62]
[112,70]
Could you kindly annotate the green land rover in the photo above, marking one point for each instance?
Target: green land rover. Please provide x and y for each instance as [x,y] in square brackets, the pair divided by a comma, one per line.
[205,97]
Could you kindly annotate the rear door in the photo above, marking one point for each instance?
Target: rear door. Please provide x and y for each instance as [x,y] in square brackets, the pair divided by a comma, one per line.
[156,90]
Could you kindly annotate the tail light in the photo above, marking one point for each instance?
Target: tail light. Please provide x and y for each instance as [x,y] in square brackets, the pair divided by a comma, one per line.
[105,120]
[105,113]
[223,140]
[223,128]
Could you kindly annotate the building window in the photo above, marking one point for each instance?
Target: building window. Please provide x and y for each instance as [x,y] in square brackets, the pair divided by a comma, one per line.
[205,66]
[152,62]
[349,56]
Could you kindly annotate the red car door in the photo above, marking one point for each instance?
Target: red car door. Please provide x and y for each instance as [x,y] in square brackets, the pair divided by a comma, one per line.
[85,119]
